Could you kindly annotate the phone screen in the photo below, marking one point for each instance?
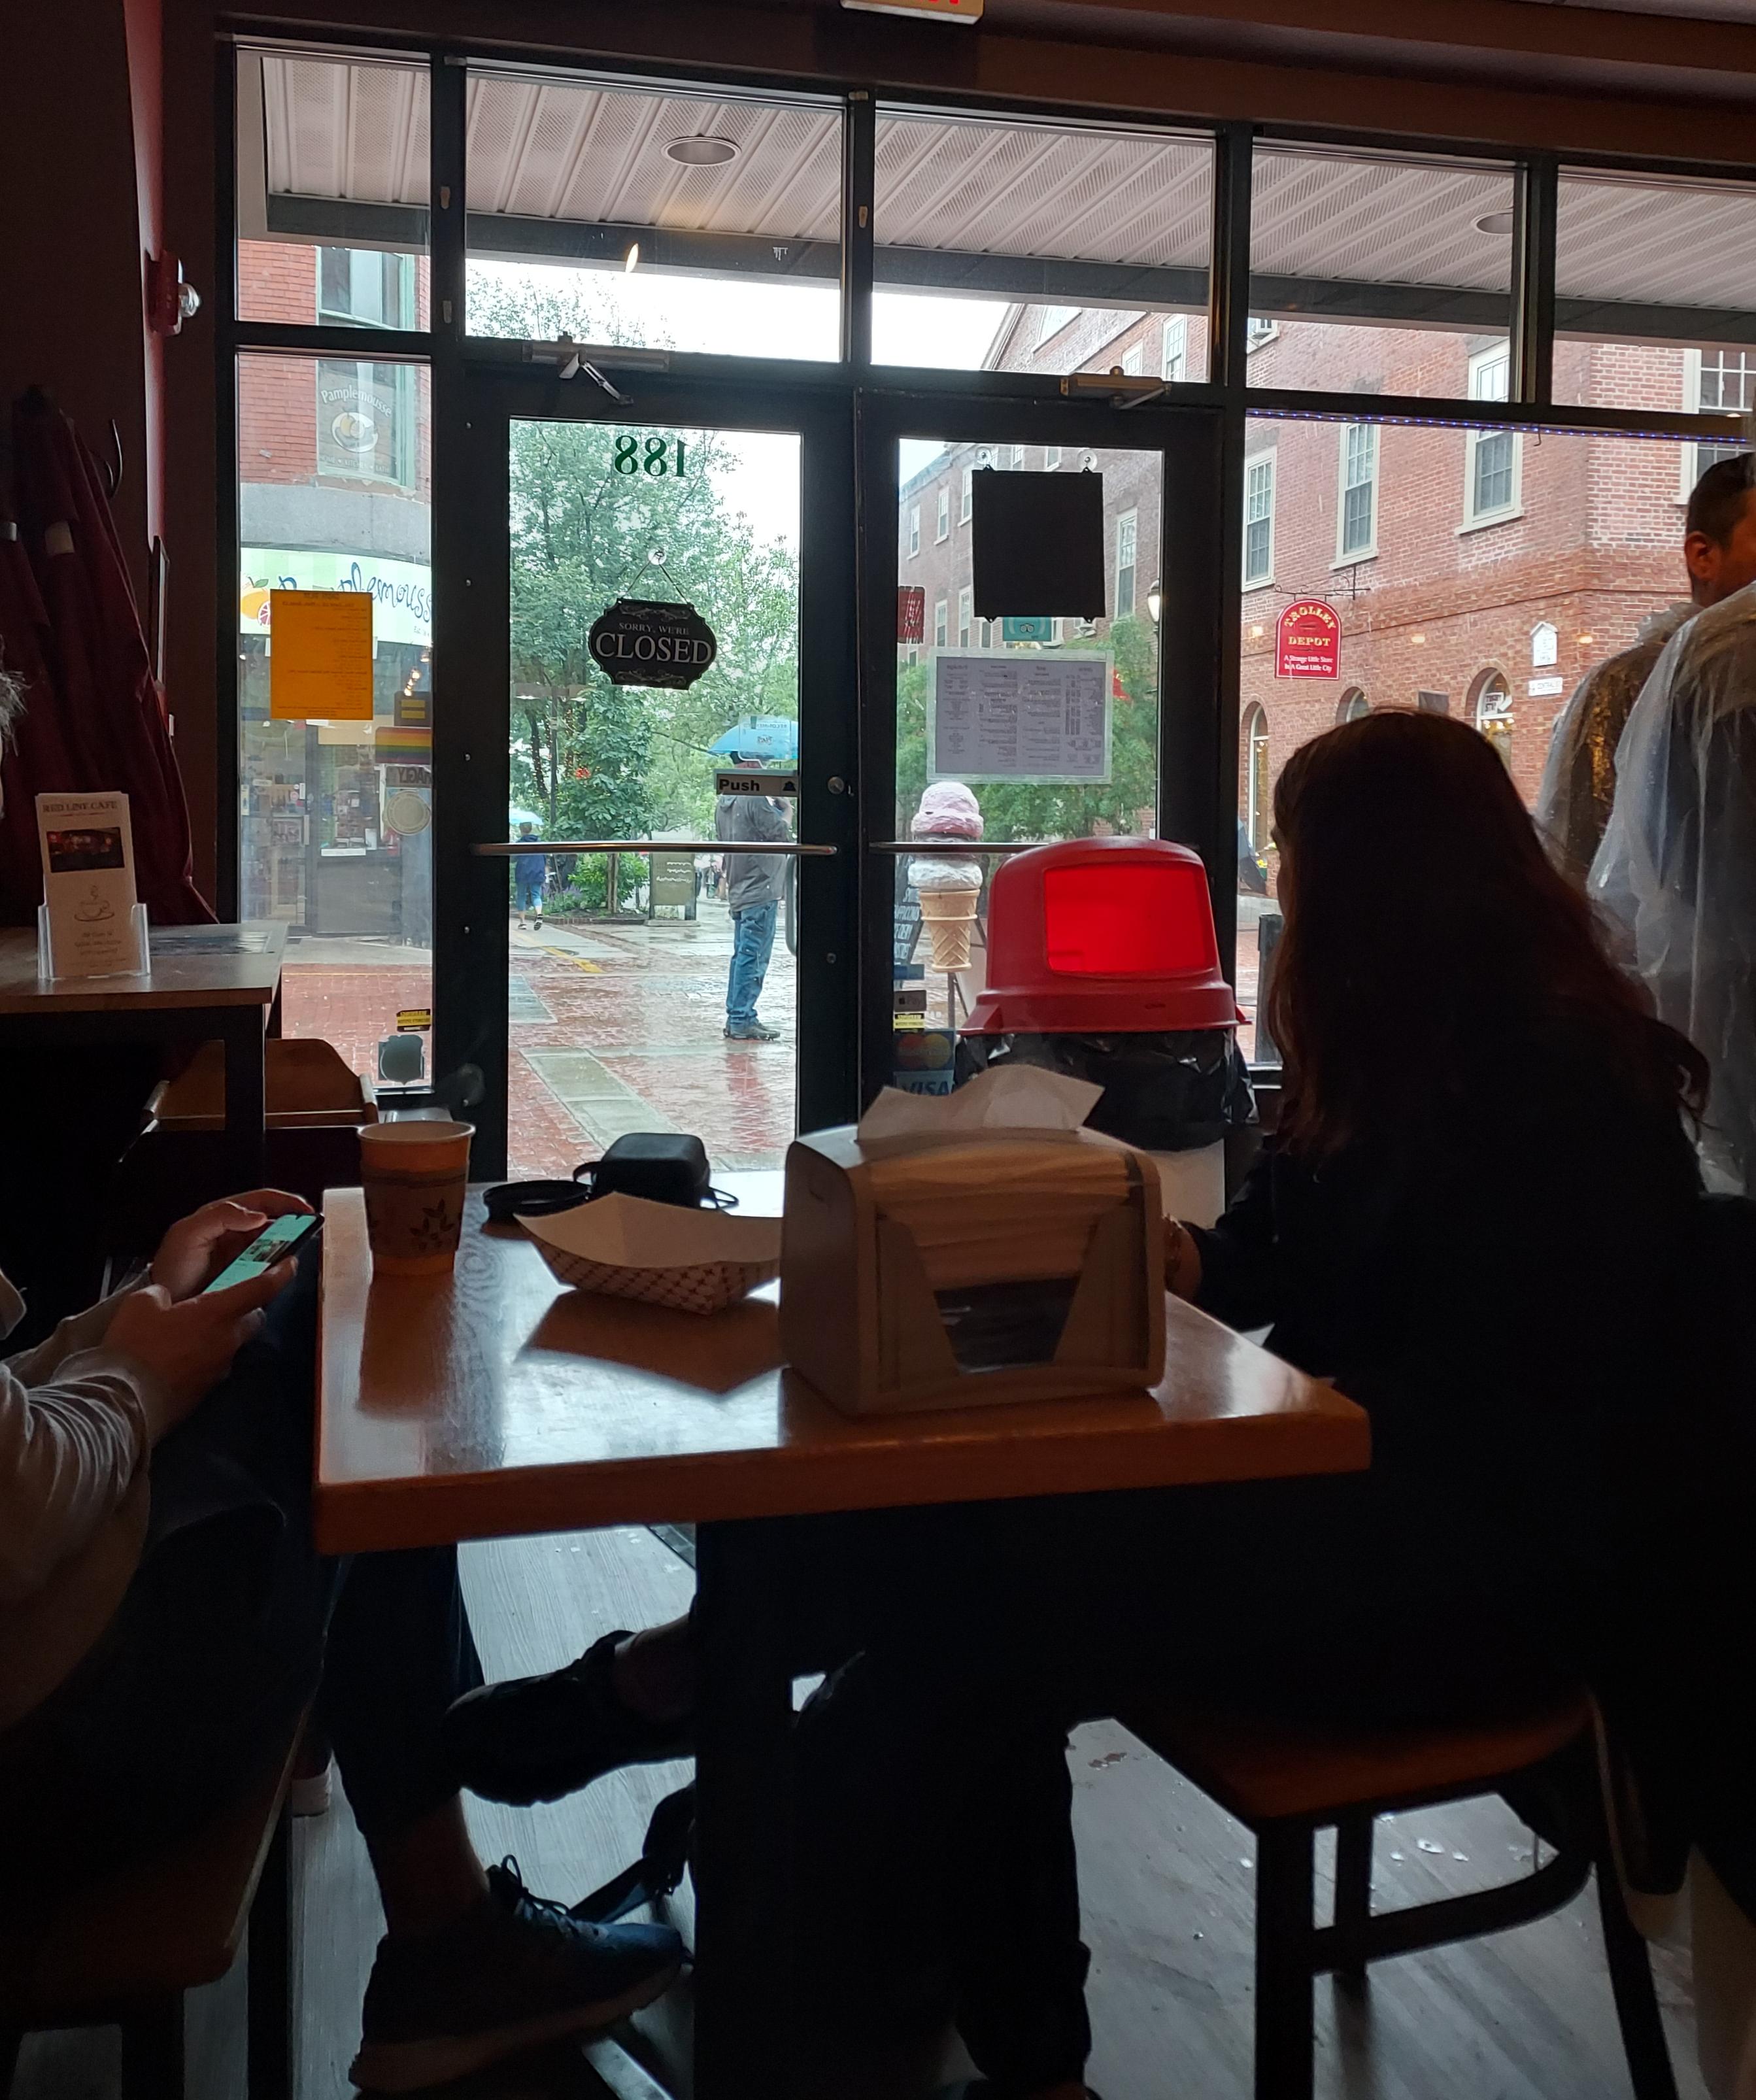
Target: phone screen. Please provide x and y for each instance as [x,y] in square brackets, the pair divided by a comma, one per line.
[273,1243]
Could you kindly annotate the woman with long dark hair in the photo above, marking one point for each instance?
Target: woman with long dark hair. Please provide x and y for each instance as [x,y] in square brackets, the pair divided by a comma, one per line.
[1467,1220]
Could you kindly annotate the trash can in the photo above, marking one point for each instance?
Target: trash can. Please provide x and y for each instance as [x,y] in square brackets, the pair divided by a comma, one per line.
[1103,964]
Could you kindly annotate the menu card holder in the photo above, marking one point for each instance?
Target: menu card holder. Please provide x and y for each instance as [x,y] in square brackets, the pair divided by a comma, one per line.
[141,965]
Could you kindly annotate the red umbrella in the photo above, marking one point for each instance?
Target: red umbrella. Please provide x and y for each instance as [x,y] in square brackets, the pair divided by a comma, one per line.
[109,709]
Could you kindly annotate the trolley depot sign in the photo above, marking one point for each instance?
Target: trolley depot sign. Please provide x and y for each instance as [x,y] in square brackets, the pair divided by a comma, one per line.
[639,642]
[1308,641]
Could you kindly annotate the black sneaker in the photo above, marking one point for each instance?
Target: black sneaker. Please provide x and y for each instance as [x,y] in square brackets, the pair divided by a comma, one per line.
[536,1738]
[759,1034]
[515,1972]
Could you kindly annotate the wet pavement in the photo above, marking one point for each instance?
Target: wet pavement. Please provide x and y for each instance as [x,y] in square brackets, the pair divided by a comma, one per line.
[615,1026]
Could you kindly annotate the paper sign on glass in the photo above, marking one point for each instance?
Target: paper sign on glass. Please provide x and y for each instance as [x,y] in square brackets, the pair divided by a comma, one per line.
[320,663]
[88,883]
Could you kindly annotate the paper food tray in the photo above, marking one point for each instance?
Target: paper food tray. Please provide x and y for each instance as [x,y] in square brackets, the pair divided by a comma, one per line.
[694,1261]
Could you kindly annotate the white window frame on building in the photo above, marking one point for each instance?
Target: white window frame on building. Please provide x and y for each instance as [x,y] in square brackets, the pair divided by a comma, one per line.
[1259,802]
[1018,455]
[965,496]
[1174,354]
[1356,471]
[1491,711]
[1259,510]
[1050,458]
[1712,384]
[914,528]
[1134,360]
[940,617]
[1490,373]
[984,634]
[965,603]
[942,518]
[1259,329]
[1051,320]
[1352,705]
[1128,559]
[1058,631]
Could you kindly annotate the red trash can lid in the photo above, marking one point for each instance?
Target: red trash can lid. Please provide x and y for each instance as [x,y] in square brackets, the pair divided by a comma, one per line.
[1102,936]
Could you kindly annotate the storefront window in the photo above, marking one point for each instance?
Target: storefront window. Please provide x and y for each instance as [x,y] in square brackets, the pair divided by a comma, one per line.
[1370,272]
[654,216]
[1015,246]
[332,187]
[1653,301]
[335,836]
[1048,726]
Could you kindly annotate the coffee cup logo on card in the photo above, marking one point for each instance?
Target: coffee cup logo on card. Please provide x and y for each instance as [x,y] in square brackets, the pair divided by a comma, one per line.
[639,642]
[1308,641]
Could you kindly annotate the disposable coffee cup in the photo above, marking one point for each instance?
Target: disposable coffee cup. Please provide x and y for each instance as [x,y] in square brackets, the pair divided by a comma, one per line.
[414,1174]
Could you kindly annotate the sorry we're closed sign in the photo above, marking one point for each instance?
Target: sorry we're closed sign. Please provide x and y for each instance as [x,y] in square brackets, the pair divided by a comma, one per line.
[1308,641]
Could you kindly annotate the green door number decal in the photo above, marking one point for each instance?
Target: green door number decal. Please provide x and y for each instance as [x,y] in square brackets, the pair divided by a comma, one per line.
[653,455]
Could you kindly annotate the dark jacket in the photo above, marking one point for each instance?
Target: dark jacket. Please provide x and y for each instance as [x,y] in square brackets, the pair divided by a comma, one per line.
[752,878]
[1497,1291]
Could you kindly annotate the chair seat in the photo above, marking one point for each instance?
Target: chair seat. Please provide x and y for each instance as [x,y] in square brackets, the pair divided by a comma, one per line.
[1263,1769]
[165,1923]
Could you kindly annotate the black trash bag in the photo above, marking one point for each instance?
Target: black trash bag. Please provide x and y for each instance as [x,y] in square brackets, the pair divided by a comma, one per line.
[1174,1091]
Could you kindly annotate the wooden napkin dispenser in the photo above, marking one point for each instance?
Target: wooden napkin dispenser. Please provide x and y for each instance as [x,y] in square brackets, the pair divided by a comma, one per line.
[953,1271]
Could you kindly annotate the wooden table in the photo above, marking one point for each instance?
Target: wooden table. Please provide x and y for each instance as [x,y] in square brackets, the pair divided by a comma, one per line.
[206,983]
[495,1402]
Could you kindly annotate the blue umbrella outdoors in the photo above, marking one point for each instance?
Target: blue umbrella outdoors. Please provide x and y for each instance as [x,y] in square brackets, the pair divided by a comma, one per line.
[759,736]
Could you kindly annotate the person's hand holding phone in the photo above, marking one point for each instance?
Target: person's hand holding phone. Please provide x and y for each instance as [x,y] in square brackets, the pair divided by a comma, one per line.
[187,1347]
[196,1248]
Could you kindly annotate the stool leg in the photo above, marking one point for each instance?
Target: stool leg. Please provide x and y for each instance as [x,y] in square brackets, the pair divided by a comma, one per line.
[1643,2026]
[153,2051]
[268,1976]
[1353,1894]
[1284,2010]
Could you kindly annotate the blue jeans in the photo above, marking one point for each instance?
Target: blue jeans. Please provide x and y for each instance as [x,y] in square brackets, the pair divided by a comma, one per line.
[752,943]
[530,895]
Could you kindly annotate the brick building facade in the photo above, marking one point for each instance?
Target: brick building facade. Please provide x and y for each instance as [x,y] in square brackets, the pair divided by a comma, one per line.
[1478,575]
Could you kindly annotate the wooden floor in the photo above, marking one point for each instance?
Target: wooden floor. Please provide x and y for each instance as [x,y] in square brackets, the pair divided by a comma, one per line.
[1167,1892]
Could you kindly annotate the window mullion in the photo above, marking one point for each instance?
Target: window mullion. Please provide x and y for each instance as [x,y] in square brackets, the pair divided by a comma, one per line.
[1532,327]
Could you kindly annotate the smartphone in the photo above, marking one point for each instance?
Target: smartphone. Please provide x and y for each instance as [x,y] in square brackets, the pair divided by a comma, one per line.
[276,1240]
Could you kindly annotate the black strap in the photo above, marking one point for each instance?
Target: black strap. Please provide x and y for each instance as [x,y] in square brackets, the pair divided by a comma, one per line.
[658,1871]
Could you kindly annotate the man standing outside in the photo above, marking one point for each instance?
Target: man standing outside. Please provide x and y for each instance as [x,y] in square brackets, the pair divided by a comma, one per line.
[1678,865]
[528,872]
[753,886]
[1579,779]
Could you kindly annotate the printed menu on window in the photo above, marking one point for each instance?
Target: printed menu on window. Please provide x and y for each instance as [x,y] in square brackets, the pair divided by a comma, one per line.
[1021,715]
[88,883]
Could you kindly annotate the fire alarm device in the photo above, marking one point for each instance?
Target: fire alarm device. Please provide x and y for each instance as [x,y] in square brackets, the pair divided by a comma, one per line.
[171,300]
[951,10]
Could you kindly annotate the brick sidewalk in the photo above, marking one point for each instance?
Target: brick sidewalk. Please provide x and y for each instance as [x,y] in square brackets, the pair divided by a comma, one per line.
[613,1027]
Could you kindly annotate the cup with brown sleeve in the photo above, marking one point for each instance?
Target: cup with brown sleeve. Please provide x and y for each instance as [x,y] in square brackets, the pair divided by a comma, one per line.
[414,1176]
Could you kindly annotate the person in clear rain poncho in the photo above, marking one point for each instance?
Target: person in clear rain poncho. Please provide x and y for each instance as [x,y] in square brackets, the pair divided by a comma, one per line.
[1677,868]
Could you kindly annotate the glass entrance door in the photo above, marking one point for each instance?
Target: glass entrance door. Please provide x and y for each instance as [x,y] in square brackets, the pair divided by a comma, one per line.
[643,579]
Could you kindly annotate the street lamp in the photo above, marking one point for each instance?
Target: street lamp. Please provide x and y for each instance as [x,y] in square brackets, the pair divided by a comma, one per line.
[1155,599]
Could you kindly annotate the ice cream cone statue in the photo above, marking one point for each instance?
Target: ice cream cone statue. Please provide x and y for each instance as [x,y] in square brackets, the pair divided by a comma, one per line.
[948,888]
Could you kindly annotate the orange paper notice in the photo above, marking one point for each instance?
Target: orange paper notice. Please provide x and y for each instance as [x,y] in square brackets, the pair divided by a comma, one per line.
[319,661]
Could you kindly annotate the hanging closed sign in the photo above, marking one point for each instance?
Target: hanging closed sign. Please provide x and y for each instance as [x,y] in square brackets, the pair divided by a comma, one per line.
[640,641]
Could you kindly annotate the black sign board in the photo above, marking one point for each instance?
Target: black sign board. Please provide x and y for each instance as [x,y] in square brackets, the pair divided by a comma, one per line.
[906,931]
[641,642]
[1038,544]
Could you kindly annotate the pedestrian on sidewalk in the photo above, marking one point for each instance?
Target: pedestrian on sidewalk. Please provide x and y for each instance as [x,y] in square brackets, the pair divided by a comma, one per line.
[754,885]
[528,870]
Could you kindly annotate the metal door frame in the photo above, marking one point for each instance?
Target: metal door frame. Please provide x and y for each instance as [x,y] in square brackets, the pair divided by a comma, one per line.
[471,755]
[1197,713]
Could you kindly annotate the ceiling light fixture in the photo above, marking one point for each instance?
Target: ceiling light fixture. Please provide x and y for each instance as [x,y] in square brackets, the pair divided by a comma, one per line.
[703,152]
[1494,222]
